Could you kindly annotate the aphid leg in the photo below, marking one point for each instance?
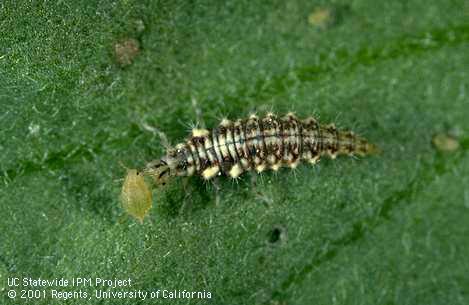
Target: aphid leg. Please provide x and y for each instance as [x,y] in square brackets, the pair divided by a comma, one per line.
[123,165]
[259,194]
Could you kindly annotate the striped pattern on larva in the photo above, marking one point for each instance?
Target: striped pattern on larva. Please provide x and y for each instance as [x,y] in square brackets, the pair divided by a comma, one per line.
[257,144]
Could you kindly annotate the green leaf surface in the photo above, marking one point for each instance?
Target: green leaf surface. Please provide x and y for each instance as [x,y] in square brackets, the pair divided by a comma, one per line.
[388,229]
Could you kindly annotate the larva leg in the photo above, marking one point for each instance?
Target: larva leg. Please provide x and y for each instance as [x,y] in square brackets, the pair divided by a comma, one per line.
[216,185]
[186,202]
[259,194]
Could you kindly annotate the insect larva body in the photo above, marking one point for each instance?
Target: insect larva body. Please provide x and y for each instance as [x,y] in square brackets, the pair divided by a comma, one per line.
[257,144]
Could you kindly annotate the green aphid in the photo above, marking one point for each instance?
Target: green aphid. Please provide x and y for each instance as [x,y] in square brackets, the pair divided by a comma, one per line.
[136,196]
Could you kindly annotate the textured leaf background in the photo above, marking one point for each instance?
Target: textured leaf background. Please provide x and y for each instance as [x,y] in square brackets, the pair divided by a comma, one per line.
[391,229]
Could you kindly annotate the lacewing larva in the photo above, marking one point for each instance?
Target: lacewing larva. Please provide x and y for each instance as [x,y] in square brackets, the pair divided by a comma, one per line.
[234,147]
[136,196]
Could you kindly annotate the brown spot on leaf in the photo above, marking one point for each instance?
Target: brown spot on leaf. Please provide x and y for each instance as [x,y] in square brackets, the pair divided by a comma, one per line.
[126,50]
[276,235]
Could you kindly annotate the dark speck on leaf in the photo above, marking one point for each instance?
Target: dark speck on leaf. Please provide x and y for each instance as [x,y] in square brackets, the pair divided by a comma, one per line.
[277,234]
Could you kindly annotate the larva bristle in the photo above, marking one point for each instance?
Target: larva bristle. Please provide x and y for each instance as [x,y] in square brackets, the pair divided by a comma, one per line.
[225,123]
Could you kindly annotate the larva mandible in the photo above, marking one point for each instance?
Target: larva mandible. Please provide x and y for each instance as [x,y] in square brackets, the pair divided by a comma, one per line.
[236,147]
[257,144]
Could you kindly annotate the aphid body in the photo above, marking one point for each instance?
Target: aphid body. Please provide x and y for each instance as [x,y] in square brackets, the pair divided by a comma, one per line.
[235,147]
[136,196]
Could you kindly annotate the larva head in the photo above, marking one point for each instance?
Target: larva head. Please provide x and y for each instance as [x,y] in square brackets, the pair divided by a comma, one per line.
[136,196]
[175,163]
[366,148]
[159,172]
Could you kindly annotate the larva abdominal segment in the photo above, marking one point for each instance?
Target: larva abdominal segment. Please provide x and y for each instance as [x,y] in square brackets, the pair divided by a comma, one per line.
[255,144]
